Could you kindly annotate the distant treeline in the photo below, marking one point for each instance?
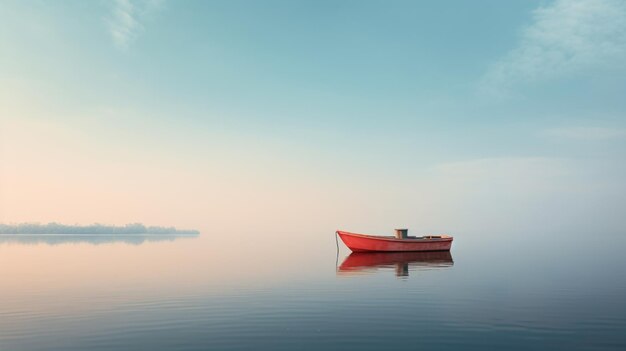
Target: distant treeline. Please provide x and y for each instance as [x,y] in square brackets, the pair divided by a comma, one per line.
[55,228]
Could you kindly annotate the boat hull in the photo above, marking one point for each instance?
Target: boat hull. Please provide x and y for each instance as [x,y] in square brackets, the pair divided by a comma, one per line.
[370,243]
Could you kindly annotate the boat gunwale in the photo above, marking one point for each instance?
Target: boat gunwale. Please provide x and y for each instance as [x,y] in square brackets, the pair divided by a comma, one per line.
[391,238]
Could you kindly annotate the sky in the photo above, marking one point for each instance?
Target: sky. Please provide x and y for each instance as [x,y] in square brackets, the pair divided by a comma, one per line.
[363,115]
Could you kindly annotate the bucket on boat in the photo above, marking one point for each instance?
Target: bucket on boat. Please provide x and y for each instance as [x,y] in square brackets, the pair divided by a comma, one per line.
[402,233]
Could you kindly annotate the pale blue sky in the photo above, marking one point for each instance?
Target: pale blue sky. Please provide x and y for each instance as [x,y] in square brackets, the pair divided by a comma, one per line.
[395,102]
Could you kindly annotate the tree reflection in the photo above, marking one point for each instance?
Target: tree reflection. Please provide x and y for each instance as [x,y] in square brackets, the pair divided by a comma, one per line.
[94,239]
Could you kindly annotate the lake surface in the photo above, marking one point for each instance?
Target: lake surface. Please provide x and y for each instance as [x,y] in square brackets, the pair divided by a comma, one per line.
[236,291]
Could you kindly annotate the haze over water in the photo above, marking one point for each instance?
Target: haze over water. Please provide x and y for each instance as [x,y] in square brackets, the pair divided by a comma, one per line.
[267,126]
[546,291]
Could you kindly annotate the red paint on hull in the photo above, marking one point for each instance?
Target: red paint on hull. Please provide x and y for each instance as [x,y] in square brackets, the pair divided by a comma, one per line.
[369,243]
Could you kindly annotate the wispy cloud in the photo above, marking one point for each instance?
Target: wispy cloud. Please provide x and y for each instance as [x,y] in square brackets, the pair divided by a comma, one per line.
[520,168]
[565,37]
[126,19]
[584,133]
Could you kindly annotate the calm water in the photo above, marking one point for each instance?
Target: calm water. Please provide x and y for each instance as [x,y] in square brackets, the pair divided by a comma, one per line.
[558,291]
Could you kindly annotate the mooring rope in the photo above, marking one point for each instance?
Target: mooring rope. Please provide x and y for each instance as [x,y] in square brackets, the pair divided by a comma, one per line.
[337,256]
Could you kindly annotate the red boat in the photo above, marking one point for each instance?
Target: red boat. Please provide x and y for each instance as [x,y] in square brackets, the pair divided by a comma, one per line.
[401,242]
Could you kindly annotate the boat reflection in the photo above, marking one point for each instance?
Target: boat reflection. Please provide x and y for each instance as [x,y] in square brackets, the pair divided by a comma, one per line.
[402,262]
